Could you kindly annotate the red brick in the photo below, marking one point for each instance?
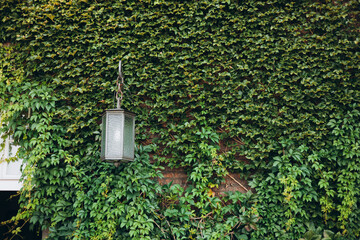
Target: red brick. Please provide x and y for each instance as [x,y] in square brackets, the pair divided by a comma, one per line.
[178,176]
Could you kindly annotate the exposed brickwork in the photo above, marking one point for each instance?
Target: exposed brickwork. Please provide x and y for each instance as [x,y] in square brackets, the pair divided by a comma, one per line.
[233,182]
[178,176]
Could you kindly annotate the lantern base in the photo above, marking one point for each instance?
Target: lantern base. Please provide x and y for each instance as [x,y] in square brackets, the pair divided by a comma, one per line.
[117,160]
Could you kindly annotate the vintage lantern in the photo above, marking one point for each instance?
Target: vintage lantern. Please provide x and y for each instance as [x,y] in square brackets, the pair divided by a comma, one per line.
[118,130]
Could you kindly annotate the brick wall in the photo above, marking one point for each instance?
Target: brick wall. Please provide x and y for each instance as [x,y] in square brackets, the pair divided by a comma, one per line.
[233,182]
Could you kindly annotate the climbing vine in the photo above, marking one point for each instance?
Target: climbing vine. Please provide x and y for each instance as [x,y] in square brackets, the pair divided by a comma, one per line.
[210,81]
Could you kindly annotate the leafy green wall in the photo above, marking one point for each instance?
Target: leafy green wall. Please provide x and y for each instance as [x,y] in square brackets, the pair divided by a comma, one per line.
[210,81]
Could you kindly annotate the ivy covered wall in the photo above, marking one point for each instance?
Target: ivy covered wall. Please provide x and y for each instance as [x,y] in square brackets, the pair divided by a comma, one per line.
[210,81]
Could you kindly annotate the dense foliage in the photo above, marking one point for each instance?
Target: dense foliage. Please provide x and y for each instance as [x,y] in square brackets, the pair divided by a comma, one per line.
[210,81]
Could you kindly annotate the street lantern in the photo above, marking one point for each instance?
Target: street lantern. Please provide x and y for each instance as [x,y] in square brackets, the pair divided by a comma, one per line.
[118,130]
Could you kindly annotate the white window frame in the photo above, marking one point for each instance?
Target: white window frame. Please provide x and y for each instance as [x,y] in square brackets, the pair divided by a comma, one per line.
[9,181]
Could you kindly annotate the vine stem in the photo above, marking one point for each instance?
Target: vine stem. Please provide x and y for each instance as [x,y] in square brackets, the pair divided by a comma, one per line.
[170,229]
[162,230]
[201,219]
[238,183]
[163,217]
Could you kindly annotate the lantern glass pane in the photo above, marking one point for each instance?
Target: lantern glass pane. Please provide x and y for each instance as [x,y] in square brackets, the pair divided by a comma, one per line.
[118,136]
[103,137]
[115,123]
[129,137]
